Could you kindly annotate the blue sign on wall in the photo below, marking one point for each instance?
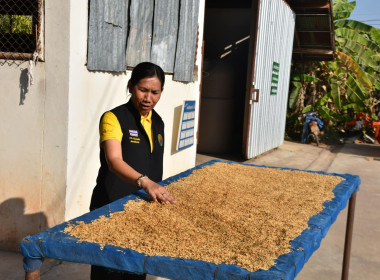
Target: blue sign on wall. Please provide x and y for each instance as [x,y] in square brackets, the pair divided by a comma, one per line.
[187,125]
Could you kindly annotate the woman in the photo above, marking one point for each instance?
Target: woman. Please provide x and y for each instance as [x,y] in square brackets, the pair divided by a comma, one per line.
[131,149]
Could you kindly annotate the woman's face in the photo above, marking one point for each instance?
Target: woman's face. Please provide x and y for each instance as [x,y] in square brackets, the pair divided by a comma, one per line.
[145,94]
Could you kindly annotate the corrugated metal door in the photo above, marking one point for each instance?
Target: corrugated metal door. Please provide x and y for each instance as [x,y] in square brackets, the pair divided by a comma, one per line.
[272,32]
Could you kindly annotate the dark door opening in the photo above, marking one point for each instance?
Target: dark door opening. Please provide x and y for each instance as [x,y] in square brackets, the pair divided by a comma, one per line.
[224,77]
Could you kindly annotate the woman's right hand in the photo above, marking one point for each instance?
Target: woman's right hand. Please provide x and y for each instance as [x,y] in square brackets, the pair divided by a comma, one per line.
[156,192]
[117,165]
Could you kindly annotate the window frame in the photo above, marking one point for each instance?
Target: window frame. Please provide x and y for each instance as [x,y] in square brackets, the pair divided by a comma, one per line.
[37,29]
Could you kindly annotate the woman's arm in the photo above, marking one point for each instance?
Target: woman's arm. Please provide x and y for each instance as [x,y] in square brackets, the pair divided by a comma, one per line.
[117,165]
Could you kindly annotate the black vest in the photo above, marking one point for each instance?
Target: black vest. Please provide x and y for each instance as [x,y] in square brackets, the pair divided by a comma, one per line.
[136,152]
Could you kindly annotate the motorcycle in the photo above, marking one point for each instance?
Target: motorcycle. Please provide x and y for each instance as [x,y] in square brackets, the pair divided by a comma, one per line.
[312,126]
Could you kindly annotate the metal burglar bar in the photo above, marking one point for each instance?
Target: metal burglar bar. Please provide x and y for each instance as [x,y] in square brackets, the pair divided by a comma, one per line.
[21,29]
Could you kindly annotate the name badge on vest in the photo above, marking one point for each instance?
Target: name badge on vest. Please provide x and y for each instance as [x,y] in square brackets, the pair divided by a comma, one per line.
[133,136]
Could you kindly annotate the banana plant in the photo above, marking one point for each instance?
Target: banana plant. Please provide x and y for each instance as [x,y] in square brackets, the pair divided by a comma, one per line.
[346,85]
[297,81]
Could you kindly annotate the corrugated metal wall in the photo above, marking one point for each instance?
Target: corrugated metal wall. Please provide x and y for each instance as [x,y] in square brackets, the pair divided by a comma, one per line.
[165,30]
[187,39]
[161,31]
[274,44]
[107,35]
[140,32]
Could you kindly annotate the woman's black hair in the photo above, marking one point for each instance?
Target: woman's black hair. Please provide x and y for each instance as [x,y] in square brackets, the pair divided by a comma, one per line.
[147,70]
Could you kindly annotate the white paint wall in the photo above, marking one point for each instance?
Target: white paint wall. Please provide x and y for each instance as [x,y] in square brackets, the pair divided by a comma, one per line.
[91,94]
[49,146]
[20,155]
[34,136]
[49,152]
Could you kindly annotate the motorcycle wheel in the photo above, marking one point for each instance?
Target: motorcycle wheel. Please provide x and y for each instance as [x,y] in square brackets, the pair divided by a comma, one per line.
[314,138]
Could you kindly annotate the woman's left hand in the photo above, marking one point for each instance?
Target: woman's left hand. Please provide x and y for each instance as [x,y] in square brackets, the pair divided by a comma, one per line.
[157,192]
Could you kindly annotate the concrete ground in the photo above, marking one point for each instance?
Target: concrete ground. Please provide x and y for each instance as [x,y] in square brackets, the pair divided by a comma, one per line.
[326,262]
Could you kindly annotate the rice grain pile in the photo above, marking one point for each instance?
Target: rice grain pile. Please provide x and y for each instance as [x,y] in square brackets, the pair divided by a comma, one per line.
[226,213]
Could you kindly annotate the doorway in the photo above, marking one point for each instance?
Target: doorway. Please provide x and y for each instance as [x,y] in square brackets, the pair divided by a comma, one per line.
[224,77]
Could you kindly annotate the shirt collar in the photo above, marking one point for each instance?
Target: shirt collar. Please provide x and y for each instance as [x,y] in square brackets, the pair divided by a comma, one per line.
[148,118]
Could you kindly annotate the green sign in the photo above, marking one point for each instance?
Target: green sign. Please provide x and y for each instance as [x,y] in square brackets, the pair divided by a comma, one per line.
[275,75]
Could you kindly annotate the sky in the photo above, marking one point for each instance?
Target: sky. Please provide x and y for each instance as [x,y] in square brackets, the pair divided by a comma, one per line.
[367,11]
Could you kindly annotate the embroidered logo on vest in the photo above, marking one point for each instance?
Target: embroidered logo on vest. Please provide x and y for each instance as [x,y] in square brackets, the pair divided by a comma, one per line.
[160,139]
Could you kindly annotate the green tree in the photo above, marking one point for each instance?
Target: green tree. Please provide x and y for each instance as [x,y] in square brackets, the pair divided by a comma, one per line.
[341,88]
[20,24]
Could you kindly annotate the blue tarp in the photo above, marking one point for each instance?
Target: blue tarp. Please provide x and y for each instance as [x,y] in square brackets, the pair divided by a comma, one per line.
[56,244]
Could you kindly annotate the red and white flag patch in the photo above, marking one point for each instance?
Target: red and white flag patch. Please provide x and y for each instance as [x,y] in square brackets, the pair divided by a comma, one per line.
[133,133]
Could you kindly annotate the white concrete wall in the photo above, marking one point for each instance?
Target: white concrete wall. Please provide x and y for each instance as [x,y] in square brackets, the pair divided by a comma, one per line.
[49,153]
[91,94]
[170,107]
[20,154]
[34,136]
